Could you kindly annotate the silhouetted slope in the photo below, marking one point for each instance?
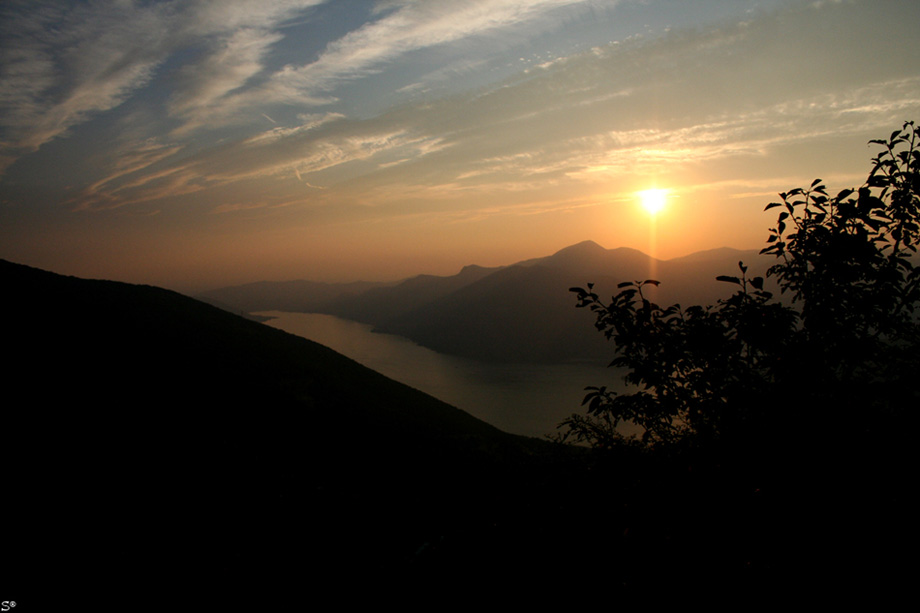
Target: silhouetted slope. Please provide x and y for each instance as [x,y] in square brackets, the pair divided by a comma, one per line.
[111,337]
[519,314]
[156,429]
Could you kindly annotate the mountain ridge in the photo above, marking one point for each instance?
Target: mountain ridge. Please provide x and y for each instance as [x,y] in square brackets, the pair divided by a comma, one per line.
[524,312]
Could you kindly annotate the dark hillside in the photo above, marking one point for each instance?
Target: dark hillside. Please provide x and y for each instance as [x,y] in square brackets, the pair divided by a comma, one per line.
[518,314]
[156,441]
[162,431]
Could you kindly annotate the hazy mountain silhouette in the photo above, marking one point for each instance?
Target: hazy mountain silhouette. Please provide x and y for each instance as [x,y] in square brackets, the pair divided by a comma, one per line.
[382,304]
[523,312]
[519,314]
[587,257]
[294,296]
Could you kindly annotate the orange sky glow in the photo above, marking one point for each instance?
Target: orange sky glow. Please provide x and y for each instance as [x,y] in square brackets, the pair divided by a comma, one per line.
[199,144]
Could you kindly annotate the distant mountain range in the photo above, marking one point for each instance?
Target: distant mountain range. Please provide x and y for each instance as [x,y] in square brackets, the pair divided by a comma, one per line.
[518,313]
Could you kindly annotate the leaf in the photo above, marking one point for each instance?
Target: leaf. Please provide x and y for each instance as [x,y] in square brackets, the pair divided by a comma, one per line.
[757,282]
[651,282]
[844,194]
[728,279]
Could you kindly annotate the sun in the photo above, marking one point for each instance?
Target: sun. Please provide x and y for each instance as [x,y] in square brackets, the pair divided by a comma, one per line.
[653,200]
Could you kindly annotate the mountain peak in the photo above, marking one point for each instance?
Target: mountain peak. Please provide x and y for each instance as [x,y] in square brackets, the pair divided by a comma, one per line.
[583,256]
[473,270]
[583,248]
[573,255]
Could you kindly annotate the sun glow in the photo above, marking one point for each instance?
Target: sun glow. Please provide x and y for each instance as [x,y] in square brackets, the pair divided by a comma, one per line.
[653,200]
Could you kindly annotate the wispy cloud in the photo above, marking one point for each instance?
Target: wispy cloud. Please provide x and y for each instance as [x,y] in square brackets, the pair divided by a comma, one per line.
[238,206]
[688,98]
[168,182]
[411,25]
[621,110]
[401,28]
[134,160]
[203,84]
[61,63]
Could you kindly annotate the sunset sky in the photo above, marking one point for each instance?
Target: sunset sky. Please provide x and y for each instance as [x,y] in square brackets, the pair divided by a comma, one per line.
[193,144]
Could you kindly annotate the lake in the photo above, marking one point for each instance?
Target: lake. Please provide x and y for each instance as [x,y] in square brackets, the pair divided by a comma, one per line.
[528,399]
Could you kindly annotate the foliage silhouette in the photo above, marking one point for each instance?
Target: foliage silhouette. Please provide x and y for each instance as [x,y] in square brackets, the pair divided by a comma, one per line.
[841,349]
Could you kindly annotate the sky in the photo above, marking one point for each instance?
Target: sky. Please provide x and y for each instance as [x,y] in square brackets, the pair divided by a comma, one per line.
[201,143]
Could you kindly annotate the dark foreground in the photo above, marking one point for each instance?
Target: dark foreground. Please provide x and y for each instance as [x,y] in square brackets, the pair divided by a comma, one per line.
[153,441]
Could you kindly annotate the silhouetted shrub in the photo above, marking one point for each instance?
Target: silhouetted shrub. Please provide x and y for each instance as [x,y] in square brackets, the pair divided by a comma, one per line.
[841,348]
